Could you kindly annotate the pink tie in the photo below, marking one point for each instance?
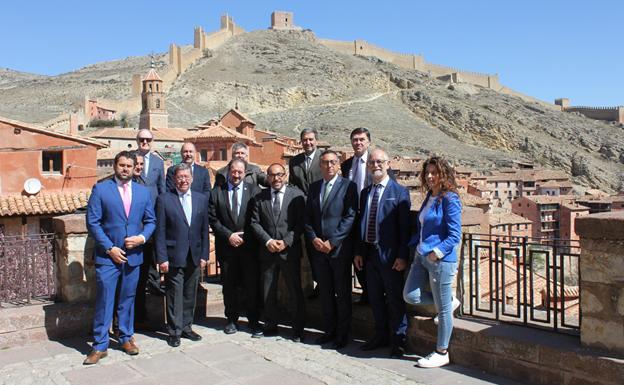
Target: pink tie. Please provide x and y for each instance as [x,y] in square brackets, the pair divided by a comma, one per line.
[126,199]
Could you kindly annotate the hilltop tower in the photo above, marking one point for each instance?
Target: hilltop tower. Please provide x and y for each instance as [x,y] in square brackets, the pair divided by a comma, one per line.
[153,111]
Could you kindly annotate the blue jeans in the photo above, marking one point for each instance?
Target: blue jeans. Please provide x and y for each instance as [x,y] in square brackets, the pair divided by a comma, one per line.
[440,275]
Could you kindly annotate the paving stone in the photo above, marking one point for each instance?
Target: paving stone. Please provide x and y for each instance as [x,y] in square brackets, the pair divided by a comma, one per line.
[173,362]
[102,374]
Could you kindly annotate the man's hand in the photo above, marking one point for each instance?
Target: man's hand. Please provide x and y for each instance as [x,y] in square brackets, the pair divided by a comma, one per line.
[358,261]
[117,255]
[281,245]
[273,246]
[202,264]
[327,247]
[433,257]
[236,240]
[318,244]
[164,267]
[132,242]
[399,264]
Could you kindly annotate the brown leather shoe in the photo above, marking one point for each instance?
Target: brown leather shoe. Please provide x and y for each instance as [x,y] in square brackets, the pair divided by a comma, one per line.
[94,356]
[130,348]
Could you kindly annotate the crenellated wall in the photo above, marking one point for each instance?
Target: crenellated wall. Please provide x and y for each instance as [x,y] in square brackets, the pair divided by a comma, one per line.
[416,62]
[610,114]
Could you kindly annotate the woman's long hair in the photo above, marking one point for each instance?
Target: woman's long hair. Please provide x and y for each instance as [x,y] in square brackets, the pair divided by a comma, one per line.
[446,174]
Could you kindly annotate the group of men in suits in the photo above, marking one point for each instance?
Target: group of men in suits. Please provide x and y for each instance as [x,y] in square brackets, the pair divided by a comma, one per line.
[338,215]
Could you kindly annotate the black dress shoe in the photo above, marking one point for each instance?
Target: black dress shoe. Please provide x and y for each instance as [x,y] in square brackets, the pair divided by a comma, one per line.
[375,343]
[191,335]
[230,328]
[297,336]
[270,331]
[340,343]
[325,338]
[173,341]
[397,351]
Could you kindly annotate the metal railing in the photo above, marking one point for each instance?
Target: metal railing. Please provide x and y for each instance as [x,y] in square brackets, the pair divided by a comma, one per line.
[26,268]
[522,280]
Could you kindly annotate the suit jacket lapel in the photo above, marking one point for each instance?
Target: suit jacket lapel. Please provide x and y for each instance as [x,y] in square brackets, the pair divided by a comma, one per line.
[117,195]
[285,201]
[178,204]
[225,195]
[243,203]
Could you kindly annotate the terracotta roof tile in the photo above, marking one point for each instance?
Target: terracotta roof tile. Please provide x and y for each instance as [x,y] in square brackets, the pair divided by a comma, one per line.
[221,132]
[152,75]
[43,203]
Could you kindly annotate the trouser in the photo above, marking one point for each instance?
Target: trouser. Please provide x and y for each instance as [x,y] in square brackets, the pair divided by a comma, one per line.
[238,270]
[181,295]
[335,292]
[107,278]
[148,277]
[270,272]
[440,275]
[385,293]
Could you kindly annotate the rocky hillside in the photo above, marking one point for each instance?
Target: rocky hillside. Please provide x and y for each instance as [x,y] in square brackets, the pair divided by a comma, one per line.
[285,80]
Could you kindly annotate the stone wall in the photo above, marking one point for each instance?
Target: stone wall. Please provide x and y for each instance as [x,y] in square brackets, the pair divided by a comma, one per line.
[602,280]
[610,114]
[75,267]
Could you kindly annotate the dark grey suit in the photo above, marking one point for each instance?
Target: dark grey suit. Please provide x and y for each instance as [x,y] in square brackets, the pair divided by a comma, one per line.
[201,180]
[238,264]
[333,220]
[182,245]
[301,177]
[253,175]
[288,227]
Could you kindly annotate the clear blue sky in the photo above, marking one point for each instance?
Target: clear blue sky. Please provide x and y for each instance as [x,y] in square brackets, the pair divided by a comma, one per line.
[547,48]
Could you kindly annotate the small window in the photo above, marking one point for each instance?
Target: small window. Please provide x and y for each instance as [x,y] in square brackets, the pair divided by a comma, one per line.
[204,155]
[157,103]
[52,162]
[223,154]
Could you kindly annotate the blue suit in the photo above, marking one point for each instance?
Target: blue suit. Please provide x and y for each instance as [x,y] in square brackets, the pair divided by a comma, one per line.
[441,228]
[385,285]
[201,180]
[108,225]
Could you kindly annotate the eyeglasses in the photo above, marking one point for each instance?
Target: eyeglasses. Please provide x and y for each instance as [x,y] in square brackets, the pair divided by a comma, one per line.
[140,140]
[278,174]
[373,162]
[182,178]
[329,162]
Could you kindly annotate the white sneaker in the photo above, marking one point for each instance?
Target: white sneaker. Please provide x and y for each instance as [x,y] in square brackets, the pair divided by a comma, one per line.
[434,360]
[456,304]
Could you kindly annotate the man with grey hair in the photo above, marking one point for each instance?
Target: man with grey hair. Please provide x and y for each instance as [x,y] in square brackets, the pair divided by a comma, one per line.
[182,248]
[153,169]
[253,173]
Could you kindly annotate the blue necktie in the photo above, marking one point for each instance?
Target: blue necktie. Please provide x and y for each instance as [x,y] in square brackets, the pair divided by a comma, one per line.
[371,230]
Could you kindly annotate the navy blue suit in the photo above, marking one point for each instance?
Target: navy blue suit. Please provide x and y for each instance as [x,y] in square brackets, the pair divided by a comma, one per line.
[108,224]
[201,180]
[333,220]
[183,245]
[385,285]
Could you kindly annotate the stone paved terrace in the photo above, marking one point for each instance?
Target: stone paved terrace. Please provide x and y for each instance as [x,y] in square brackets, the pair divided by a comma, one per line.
[223,359]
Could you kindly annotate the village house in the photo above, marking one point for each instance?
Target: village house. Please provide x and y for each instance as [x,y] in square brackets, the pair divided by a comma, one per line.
[43,174]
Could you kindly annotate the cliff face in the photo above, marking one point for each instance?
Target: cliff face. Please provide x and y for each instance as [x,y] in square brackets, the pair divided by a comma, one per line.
[285,80]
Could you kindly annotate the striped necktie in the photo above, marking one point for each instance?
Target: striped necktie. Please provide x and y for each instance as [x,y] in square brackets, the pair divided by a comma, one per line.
[371,228]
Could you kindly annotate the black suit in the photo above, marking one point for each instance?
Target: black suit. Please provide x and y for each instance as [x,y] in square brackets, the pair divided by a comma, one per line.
[253,175]
[301,177]
[183,245]
[287,226]
[201,180]
[333,220]
[238,264]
